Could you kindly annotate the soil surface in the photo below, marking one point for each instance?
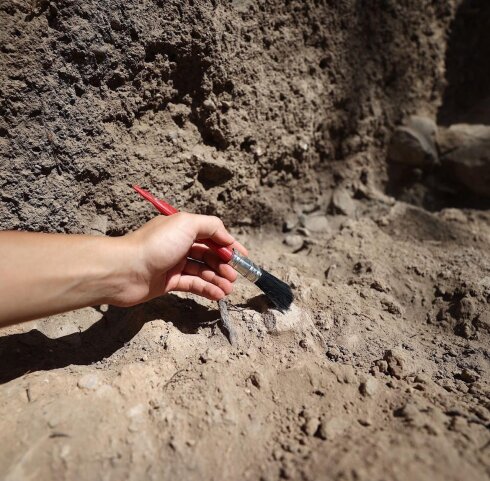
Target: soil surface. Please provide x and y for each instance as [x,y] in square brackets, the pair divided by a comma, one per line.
[276,116]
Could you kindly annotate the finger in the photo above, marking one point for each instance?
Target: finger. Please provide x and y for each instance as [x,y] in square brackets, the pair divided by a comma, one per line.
[203,271]
[203,253]
[199,286]
[206,227]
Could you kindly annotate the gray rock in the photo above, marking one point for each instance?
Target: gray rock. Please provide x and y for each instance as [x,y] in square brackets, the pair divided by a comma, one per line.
[342,203]
[294,241]
[465,154]
[424,126]
[290,222]
[398,364]
[369,387]
[414,144]
[316,223]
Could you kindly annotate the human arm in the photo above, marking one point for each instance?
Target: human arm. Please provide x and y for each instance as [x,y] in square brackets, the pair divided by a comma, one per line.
[43,274]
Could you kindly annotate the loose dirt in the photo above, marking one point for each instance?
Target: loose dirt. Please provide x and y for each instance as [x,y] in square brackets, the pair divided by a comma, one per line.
[276,116]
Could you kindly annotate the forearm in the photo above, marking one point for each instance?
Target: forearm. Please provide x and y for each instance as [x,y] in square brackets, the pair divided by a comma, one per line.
[43,274]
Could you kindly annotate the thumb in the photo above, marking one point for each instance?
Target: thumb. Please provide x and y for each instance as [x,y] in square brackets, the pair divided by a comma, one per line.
[202,227]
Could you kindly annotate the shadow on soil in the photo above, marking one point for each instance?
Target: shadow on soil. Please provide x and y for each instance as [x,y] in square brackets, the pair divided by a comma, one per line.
[33,351]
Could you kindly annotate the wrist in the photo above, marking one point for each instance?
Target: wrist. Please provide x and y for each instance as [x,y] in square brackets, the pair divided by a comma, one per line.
[123,280]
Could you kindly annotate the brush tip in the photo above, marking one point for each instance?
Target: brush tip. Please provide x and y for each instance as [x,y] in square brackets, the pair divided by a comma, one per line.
[276,290]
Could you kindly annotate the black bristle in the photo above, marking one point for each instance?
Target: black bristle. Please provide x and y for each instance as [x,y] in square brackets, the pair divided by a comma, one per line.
[276,290]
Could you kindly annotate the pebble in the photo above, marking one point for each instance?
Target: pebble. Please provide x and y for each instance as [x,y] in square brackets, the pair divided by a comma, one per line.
[409,411]
[397,363]
[342,203]
[316,223]
[290,222]
[410,146]
[89,381]
[208,104]
[454,215]
[369,387]
[294,241]
[332,428]
[295,319]
[466,155]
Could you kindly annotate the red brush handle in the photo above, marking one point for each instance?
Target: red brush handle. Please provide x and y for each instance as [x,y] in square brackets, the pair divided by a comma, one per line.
[225,253]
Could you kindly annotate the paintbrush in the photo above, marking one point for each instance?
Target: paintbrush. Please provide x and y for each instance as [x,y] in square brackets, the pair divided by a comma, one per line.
[276,290]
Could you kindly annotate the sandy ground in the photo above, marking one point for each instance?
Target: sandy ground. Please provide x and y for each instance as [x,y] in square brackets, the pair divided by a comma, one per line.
[379,371]
[277,116]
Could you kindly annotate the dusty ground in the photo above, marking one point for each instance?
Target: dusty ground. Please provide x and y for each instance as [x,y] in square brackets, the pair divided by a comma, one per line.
[276,117]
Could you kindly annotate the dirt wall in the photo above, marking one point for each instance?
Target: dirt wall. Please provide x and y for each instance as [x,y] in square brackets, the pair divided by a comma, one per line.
[237,108]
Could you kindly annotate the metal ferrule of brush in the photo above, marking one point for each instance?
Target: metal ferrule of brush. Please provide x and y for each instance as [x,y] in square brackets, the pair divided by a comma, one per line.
[245,267]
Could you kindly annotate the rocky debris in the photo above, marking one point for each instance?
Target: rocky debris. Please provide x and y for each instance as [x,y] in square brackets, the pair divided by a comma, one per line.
[465,155]
[341,202]
[414,144]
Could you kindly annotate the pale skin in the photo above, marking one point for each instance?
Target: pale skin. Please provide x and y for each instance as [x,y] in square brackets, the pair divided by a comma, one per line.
[44,274]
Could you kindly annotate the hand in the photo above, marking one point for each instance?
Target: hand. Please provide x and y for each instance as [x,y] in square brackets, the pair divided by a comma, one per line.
[164,257]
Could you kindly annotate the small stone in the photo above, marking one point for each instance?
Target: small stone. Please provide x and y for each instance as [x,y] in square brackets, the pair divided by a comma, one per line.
[89,381]
[294,241]
[422,378]
[365,422]
[369,387]
[294,319]
[382,366]
[397,363]
[409,412]
[226,104]
[454,215]
[409,146]
[208,104]
[316,223]
[332,428]
[342,203]
[290,222]
[466,156]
